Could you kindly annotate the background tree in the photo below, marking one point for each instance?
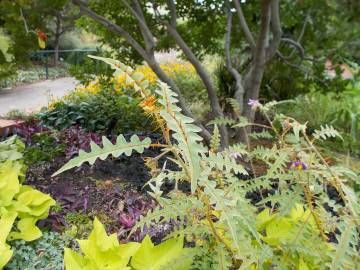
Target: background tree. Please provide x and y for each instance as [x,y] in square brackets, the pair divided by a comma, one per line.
[260,35]
[22,19]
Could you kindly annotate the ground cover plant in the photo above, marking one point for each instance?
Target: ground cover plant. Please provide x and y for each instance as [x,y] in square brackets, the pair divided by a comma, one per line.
[296,223]
[21,206]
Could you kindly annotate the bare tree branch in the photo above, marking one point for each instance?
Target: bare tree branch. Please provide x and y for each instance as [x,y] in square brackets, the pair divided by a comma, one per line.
[209,85]
[275,30]
[254,76]
[112,27]
[244,26]
[145,31]
[25,23]
[172,9]
[296,46]
[239,91]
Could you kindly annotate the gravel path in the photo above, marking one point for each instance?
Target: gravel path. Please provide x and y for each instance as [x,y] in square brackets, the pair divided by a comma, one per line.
[32,97]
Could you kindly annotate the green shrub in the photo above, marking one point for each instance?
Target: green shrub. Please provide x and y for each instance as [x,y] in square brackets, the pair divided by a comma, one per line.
[106,110]
[339,110]
[44,148]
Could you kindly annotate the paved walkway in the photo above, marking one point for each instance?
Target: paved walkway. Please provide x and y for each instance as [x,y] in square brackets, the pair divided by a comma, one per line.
[34,96]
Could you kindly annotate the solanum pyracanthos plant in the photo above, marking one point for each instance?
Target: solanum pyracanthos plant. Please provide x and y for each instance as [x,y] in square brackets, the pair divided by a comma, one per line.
[21,206]
[294,224]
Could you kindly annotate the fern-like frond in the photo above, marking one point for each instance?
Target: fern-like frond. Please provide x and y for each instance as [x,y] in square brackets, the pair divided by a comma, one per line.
[242,122]
[261,135]
[222,121]
[178,209]
[234,105]
[185,133]
[326,132]
[120,147]
[224,162]
[236,150]
[215,140]
[231,214]
[137,79]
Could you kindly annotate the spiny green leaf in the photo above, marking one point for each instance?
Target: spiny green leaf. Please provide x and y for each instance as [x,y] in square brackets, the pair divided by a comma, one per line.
[117,149]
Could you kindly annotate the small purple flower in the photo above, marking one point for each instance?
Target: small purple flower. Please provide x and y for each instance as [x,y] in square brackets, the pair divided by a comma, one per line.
[298,165]
[254,104]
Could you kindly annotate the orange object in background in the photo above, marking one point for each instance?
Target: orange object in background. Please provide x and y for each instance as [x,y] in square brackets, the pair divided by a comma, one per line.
[42,38]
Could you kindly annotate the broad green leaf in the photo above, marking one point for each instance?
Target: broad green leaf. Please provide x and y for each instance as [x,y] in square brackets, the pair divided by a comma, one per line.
[7,220]
[101,252]
[73,261]
[9,181]
[152,257]
[27,230]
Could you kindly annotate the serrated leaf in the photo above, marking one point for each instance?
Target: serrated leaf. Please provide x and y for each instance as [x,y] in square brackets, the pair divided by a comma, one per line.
[117,149]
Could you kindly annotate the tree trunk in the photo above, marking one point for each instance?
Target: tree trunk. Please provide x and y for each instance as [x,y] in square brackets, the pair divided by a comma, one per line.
[253,78]
[56,50]
[205,77]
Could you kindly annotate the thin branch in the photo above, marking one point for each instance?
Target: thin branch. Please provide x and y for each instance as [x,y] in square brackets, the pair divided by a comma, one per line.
[112,27]
[302,32]
[145,31]
[244,26]
[172,9]
[275,30]
[296,46]
[25,23]
[239,92]
[209,85]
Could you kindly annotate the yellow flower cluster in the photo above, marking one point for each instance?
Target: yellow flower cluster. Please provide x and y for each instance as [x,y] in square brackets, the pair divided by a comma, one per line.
[171,69]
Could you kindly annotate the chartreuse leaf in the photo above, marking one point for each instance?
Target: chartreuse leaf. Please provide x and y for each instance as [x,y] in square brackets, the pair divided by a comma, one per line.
[9,181]
[117,149]
[11,149]
[101,252]
[7,220]
[27,230]
[31,206]
[73,260]
[152,257]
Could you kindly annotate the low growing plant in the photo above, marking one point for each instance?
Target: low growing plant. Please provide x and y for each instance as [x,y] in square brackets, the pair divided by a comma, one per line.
[217,215]
[44,253]
[21,206]
[103,252]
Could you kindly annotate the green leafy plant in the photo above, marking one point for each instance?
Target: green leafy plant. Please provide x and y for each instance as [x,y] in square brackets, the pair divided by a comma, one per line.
[101,251]
[44,253]
[117,111]
[44,147]
[21,206]
[218,215]
[339,110]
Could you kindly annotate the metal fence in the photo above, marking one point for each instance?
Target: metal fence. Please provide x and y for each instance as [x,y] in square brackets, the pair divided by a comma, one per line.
[71,56]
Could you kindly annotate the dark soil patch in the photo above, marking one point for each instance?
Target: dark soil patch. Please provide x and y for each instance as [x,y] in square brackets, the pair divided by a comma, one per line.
[113,190]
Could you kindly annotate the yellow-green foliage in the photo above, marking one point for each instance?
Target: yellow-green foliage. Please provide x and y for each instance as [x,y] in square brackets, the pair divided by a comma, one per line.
[103,252]
[21,206]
